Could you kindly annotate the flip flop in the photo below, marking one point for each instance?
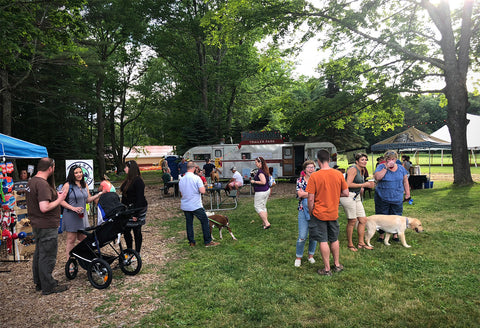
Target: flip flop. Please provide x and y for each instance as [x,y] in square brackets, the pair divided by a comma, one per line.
[267,227]
[352,248]
[365,247]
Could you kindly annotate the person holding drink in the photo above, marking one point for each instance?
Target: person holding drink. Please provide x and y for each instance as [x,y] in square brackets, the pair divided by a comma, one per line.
[392,184]
[74,205]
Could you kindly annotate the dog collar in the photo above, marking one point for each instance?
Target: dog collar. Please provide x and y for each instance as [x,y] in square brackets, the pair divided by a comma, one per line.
[406,219]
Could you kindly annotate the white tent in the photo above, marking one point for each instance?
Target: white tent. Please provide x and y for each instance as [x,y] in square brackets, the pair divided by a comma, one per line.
[473,136]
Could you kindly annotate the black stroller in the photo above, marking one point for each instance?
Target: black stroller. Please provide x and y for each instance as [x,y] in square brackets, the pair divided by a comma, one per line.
[88,253]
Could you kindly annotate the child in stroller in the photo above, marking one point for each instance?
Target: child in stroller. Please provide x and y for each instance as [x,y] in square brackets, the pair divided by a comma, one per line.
[88,253]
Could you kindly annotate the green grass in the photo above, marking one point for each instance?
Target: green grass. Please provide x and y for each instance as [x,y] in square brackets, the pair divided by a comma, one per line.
[423,161]
[252,282]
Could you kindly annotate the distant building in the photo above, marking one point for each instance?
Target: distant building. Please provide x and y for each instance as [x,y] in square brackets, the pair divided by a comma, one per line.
[148,156]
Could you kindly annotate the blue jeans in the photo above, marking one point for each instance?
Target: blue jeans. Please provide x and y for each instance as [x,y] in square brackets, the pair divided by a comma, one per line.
[202,216]
[303,218]
[382,207]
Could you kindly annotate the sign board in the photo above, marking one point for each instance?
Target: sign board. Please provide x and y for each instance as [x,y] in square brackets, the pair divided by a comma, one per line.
[87,167]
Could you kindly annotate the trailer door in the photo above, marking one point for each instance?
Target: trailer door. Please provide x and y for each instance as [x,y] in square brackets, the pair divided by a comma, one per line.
[288,161]
[218,153]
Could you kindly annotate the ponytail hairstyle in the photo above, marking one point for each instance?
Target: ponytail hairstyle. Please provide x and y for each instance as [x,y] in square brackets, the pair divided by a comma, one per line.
[265,169]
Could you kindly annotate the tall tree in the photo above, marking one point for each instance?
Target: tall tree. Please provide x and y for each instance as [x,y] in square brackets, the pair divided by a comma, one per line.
[207,77]
[408,41]
[111,26]
[31,32]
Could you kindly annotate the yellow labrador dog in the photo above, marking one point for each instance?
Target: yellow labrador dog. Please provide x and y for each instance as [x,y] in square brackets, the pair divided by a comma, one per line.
[391,224]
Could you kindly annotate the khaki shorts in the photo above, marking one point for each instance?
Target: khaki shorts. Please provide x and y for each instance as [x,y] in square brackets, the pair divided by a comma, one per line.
[260,201]
[353,207]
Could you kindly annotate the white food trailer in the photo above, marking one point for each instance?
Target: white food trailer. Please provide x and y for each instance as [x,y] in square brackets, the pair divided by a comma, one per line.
[286,159]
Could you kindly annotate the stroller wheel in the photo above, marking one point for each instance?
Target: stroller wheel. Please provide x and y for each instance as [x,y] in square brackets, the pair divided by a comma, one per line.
[71,268]
[99,273]
[130,262]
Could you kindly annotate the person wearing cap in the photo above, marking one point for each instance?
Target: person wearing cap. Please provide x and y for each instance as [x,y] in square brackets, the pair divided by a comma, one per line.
[236,181]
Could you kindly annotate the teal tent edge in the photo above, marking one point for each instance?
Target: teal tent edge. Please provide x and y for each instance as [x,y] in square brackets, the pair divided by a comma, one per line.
[11,147]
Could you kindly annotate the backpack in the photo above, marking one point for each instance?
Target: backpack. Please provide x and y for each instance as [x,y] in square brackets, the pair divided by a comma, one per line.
[66,198]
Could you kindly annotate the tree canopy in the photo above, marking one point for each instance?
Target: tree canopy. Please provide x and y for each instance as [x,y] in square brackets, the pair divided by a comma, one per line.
[92,77]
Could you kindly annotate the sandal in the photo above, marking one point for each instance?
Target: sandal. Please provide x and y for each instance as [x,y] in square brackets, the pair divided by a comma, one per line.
[352,248]
[364,246]
[324,272]
[338,268]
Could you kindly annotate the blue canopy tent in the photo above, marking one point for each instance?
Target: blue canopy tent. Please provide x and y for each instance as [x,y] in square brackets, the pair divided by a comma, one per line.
[15,148]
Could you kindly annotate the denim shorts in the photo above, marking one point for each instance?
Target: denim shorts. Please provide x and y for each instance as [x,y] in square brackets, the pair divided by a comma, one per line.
[323,231]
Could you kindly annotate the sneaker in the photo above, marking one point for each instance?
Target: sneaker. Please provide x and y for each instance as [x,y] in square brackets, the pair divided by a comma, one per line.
[56,289]
[212,243]
[311,260]
[192,244]
[337,268]
[298,262]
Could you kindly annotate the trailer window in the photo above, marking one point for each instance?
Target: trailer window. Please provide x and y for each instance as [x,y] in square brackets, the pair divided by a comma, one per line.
[200,157]
[246,156]
[218,153]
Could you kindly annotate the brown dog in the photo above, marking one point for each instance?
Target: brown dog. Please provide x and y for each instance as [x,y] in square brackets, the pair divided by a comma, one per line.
[391,224]
[214,175]
[219,221]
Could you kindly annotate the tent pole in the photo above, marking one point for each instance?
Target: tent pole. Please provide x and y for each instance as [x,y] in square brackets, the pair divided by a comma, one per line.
[441,162]
[429,165]
[474,158]
[373,168]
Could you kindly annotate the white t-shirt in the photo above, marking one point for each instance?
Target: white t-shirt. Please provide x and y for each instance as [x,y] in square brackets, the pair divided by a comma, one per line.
[238,177]
[189,187]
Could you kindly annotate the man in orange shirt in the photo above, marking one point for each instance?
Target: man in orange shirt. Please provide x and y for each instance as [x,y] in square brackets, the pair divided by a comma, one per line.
[325,187]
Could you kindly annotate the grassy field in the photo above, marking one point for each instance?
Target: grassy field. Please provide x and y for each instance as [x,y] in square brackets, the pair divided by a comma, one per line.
[253,283]
[422,160]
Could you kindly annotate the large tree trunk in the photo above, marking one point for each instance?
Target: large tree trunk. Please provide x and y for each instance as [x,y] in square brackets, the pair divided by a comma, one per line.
[6,104]
[457,59]
[456,117]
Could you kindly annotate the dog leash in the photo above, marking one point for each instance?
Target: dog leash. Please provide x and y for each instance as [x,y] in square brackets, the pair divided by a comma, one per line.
[215,221]
[406,220]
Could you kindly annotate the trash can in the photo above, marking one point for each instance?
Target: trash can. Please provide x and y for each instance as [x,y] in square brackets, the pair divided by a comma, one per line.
[426,185]
[431,184]
[416,170]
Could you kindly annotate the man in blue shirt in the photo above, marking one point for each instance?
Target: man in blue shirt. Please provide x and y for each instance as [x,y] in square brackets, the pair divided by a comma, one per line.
[192,187]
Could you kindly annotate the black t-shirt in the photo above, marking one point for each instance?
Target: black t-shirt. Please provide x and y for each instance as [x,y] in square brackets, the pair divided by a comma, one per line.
[208,169]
